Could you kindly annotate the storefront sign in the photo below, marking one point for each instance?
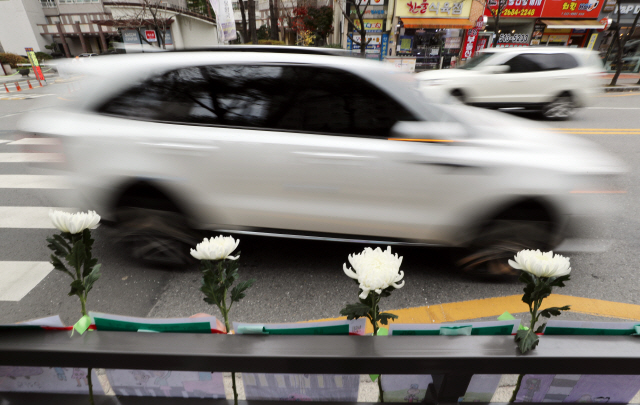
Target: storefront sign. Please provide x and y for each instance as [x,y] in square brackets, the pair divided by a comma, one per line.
[628,9]
[373,44]
[509,38]
[536,36]
[592,41]
[434,9]
[609,6]
[370,25]
[371,12]
[452,42]
[384,46]
[130,37]
[370,2]
[571,8]
[151,36]
[482,43]
[168,39]
[469,46]
[406,44]
[517,8]
[35,65]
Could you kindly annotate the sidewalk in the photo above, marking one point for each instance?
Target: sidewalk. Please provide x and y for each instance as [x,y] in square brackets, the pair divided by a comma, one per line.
[626,82]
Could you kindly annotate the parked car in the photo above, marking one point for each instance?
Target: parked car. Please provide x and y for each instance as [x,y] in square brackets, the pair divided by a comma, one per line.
[87,55]
[311,145]
[554,81]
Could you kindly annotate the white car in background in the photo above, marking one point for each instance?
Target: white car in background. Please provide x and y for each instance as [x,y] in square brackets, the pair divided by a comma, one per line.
[552,80]
[274,142]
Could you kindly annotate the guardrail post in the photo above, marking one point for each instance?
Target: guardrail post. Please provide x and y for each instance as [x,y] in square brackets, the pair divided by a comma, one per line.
[450,387]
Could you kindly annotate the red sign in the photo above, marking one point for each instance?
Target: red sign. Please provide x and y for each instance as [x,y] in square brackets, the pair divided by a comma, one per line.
[150,35]
[482,43]
[572,8]
[469,45]
[517,8]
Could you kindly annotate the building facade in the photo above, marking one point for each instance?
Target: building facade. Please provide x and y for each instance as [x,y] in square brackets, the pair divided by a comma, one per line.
[93,26]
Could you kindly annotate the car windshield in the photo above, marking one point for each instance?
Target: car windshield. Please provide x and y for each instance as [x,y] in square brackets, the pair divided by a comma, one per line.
[476,60]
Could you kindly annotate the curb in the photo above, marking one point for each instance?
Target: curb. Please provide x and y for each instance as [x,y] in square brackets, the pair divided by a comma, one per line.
[621,89]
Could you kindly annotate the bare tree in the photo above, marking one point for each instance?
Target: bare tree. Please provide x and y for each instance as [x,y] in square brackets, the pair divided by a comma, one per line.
[621,41]
[273,19]
[150,13]
[252,21]
[244,21]
[360,28]
[496,13]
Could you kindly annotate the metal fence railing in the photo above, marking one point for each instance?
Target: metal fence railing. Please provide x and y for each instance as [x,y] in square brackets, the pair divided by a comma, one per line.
[451,360]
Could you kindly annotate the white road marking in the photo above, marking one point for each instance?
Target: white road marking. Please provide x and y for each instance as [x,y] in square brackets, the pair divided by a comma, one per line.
[34,181]
[36,141]
[28,217]
[18,278]
[30,157]
[4,140]
[10,115]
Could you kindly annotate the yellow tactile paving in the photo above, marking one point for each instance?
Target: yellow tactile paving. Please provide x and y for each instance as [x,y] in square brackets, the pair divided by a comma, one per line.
[494,307]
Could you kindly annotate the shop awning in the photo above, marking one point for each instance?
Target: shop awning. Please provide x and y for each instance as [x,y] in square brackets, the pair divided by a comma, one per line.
[574,24]
[437,23]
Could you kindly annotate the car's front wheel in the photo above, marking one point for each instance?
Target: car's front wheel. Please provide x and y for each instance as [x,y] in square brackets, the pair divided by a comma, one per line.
[561,108]
[156,236]
[488,254]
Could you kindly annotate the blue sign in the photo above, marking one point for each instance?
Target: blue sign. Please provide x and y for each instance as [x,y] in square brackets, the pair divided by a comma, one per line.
[349,45]
[384,44]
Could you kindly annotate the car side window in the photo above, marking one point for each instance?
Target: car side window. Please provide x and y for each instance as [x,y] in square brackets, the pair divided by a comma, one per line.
[216,95]
[333,101]
[564,61]
[525,63]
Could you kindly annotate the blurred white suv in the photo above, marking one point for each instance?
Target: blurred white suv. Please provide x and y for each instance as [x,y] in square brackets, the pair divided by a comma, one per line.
[315,146]
[554,81]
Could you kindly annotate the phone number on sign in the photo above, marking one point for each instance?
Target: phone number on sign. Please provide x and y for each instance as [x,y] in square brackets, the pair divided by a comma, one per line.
[509,12]
[513,38]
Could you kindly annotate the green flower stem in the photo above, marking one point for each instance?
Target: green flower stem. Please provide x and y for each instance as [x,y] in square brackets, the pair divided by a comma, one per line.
[90,386]
[515,391]
[373,317]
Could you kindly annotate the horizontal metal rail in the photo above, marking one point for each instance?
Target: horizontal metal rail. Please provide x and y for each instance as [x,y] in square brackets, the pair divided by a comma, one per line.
[451,360]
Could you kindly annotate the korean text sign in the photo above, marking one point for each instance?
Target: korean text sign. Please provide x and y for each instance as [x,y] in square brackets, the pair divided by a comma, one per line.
[433,9]
[571,9]
[517,8]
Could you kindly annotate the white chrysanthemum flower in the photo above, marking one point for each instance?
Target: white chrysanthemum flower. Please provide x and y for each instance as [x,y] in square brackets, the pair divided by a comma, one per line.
[541,264]
[74,223]
[218,248]
[375,270]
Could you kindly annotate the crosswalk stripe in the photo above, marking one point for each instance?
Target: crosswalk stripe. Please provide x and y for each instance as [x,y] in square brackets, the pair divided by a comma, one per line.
[18,278]
[33,181]
[28,217]
[36,141]
[30,157]
[4,140]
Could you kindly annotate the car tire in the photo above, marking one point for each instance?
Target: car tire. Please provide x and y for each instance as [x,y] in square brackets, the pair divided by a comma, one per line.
[459,95]
[487,255]
[156,237]
[560,109]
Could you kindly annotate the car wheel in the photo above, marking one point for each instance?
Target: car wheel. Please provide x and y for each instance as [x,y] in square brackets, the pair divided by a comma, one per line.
[459,95]
[156,236]
[561,108]
[488,254]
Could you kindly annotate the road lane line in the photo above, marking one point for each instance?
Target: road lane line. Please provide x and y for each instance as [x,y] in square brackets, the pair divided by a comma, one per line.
[30,157]
[34,181]
[494,307]
[18,278]
[36,141]
[595,129]
[619,95]
[28,217]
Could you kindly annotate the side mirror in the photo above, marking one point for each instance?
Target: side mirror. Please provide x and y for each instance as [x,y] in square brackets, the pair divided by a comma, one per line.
[437,132]
[496,69]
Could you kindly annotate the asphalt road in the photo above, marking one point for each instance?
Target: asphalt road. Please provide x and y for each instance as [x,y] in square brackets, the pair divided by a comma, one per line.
[303,280]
